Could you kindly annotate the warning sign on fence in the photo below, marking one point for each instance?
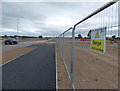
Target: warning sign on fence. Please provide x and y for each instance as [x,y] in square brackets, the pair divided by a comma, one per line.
[98,40]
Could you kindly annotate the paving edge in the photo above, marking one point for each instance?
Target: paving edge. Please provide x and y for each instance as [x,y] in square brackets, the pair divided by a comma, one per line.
[16,57]
[56,68]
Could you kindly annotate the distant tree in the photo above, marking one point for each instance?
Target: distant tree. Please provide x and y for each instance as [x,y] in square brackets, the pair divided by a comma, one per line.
[15,36]
[113,40]
[79,36]
[76,37]
[11,36]
[5,36]
[40,36]
[23,36]
[89,34]
[114,36]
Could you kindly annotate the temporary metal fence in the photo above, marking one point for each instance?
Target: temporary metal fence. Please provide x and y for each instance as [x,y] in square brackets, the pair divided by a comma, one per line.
[86,68]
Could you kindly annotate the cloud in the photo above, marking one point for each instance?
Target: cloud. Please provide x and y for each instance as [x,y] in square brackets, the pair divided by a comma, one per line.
[44,18]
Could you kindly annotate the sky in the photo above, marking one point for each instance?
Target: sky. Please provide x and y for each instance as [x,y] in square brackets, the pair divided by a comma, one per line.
[43,18]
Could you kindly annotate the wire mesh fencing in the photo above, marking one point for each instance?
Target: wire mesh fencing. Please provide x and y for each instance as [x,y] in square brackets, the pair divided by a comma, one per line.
[93,70]
[88,69]
[64,42]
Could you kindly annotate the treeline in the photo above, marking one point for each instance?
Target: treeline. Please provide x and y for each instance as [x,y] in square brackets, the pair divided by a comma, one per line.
[15,36]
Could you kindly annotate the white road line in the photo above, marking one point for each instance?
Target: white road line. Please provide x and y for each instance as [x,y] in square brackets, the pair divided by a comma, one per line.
[56,70]
[15,58]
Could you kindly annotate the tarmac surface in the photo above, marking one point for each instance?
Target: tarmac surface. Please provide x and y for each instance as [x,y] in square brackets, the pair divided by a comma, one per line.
[4,48]
[11,47]
[34,70]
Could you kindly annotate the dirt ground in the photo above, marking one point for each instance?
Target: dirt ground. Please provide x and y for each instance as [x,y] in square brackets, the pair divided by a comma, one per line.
[63,80]
[93,70]
[12,54]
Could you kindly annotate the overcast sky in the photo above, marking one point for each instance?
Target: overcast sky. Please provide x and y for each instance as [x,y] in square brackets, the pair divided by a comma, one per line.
[47,19]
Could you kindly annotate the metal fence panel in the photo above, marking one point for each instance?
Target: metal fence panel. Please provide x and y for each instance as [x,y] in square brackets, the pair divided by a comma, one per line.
[86,68]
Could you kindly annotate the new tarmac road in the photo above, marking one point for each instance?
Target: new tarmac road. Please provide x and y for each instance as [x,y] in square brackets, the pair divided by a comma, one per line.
[4,48]
[34,70]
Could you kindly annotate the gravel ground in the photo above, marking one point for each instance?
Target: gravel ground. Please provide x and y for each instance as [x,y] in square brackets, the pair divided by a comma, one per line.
[63,81]
[91,69]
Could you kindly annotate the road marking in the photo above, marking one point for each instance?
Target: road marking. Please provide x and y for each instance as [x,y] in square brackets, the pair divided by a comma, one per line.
[56,70]
[16,57]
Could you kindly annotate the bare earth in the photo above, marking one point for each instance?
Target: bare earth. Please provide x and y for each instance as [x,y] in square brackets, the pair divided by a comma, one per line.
[63,81]
[93,70]
[12,54]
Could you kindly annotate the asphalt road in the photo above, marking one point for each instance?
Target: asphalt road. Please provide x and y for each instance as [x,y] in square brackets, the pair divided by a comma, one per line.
[34,70]
[11,47]
[4,48]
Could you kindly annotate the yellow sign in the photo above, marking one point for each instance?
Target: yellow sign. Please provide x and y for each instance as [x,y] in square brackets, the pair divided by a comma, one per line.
[98,40]
[97,35]
[98,45]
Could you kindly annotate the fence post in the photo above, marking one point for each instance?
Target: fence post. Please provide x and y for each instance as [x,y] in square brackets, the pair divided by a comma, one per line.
[72,57]
[63,47]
